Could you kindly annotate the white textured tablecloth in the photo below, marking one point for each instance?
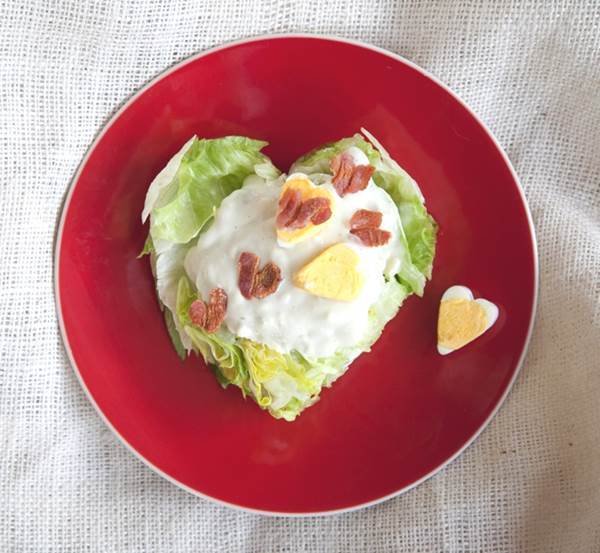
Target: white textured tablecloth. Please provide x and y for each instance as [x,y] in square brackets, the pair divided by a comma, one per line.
[530,70]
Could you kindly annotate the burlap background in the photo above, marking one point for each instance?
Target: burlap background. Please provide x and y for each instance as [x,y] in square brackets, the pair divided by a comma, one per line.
[531,483]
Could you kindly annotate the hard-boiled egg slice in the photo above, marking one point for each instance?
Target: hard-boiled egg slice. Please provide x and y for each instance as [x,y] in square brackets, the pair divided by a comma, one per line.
[461,318]
[307,189]
[333,274]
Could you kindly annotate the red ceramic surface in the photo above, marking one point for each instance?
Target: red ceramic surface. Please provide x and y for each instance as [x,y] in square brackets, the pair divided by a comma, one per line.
[401,411]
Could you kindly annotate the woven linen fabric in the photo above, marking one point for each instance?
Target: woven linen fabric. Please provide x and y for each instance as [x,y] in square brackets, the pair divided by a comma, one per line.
[530,483]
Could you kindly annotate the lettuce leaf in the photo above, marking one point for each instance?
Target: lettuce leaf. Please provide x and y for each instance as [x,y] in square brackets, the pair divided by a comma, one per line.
[185,195]
[166,261]
[419,227]
[162,187]
[148,248]
[174,334]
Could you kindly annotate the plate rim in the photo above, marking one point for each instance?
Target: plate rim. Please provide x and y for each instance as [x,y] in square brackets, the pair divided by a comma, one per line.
[64,208]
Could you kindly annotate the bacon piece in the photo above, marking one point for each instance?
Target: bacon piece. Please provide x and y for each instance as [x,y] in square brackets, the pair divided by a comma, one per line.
[247,269]
[198,312]
[308,210]
[372,236]
[365,218]
[251,281]
[289,205]
[360,178]
[267,281]
[321,208]
[209,316]
[342,167]
[348,177]
[321,216]
[217,307]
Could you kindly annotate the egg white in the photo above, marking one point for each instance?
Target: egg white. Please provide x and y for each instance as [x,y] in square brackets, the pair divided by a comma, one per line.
[463,293]
[291,318]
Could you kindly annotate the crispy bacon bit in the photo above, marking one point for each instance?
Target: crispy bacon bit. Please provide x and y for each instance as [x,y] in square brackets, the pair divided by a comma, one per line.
[255,283]
[247,269]
[321,216]
[342,167]
[217,307]
[360,178]
[197,313]
[267,280]
[372,236]
[321,210]
[365,218]
[309,209]
[347,177]
[289,205]
[293,213]
[209,316]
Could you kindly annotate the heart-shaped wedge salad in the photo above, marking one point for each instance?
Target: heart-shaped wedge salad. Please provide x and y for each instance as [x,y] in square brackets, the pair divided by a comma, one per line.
[279,281]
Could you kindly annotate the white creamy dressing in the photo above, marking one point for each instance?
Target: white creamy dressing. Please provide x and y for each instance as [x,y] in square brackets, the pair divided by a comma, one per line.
[292,318]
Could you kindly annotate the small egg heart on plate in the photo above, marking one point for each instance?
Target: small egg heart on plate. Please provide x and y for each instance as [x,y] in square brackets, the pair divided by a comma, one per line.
[462,318]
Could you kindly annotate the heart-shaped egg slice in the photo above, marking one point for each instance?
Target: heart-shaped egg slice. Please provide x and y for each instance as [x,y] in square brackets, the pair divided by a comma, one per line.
[307,190]
[334,274]
[462,318]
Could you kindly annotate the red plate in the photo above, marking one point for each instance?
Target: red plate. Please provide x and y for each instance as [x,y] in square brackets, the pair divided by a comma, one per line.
[402,411]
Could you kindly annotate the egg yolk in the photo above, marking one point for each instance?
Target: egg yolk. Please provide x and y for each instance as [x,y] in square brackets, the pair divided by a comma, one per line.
[333,274]
[307,190]
[460,321]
